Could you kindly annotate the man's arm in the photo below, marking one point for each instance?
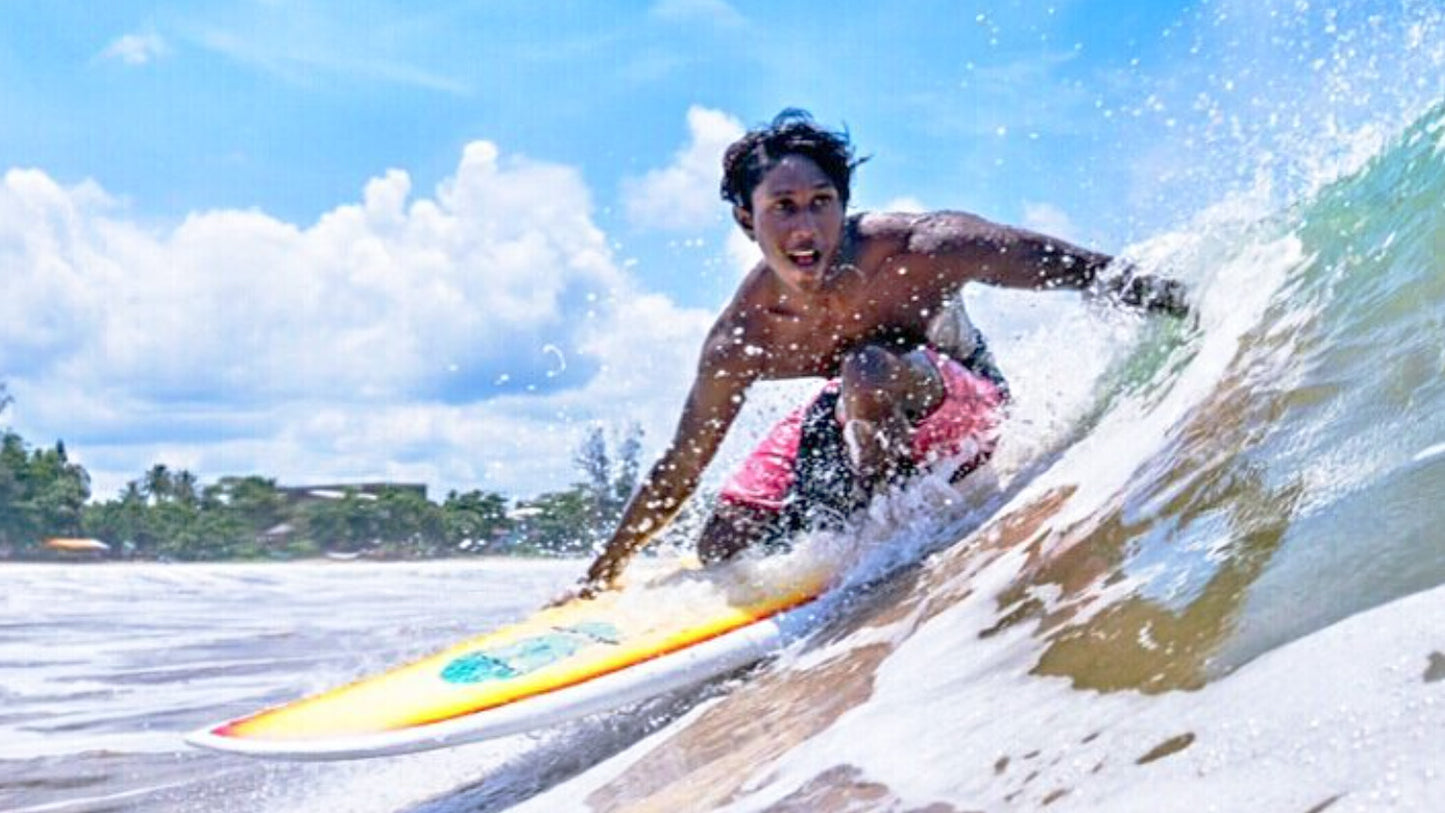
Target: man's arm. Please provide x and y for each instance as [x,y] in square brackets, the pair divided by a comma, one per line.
[713,403]
[965,248]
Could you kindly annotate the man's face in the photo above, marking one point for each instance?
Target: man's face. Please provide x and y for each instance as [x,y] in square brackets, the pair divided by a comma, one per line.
[797,221]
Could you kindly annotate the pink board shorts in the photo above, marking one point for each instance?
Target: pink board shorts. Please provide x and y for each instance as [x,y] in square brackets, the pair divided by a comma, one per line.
[964,428]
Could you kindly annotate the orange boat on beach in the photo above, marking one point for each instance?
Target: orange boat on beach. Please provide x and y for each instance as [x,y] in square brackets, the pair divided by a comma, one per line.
[70,545]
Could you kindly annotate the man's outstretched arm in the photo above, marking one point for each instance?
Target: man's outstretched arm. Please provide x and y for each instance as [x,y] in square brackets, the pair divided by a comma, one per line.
[712,405]
[965,248]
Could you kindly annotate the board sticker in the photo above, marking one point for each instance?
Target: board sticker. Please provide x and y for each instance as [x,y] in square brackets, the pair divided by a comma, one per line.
[529,654]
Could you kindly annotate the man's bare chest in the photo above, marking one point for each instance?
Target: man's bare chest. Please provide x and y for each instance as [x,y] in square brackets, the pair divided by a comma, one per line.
[816,345]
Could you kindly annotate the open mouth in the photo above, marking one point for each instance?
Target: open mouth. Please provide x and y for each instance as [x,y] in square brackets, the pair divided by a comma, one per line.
[806,258]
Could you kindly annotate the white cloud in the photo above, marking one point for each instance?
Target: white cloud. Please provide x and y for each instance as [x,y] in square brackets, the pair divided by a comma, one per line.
[136,49]
[295,54]
[743,254]
[684,194]
[401,336]
[1049,219]
[906,204]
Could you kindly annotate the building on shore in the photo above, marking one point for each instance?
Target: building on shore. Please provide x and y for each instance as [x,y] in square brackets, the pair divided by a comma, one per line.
[297,495]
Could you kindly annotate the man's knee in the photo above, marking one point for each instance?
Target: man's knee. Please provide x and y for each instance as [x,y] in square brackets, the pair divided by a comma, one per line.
[870,367]
[872,382]
[879,384]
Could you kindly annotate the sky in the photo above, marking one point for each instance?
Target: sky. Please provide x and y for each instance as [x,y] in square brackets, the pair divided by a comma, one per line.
[342,242]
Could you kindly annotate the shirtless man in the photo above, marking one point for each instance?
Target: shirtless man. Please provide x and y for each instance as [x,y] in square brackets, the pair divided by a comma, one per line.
[868,301]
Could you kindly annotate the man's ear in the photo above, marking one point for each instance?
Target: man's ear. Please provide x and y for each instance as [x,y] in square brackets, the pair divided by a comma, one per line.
[744,220]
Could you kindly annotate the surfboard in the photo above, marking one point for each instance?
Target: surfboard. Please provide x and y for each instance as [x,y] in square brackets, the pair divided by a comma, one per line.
[565,662]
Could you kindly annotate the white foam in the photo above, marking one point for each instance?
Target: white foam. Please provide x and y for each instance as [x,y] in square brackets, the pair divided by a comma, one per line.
[1429,452]
[1347,712]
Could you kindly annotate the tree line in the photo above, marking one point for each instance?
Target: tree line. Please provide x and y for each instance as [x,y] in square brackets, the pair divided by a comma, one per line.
[170,515]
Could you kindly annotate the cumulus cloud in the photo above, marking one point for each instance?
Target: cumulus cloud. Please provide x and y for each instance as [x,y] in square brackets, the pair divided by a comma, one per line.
[743,254]
[458,338]
[136,49]
[1049,219]
[378,298]
[905,204]
[683,195]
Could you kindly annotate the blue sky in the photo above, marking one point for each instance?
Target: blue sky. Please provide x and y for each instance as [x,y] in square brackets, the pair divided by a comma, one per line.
[325,240]
[290,107]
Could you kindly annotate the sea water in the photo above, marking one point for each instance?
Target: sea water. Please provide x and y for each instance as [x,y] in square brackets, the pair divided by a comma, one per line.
[104,666]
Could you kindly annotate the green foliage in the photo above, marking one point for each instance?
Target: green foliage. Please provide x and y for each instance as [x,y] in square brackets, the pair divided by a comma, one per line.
[42,494]
[168,514]
[558,523]
[394,522]
[256,501]
[477,520]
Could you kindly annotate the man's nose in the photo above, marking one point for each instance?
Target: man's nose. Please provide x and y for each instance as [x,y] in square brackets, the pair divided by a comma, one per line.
[806,224]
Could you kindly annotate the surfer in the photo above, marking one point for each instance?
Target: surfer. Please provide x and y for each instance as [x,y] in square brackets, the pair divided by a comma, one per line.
[868,301]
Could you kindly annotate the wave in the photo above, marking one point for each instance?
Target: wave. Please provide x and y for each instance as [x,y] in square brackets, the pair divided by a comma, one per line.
[1151,598]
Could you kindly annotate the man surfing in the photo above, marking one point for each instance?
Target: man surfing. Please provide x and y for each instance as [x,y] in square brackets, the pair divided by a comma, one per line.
[868,301]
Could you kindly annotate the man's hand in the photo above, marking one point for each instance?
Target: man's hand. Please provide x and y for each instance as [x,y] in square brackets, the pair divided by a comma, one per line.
[1145,292]
[603,575]
[584,589]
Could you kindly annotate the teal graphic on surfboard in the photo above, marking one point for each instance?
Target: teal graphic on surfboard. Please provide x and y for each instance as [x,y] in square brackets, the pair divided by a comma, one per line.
[529,654]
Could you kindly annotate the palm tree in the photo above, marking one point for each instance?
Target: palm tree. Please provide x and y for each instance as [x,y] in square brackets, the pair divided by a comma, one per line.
[184,487]
[158,483]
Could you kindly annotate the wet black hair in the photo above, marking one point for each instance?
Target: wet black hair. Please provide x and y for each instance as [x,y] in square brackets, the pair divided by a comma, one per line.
[792,132]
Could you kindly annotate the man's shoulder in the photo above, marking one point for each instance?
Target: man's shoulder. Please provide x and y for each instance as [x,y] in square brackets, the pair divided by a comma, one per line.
[919,231]
[872,226]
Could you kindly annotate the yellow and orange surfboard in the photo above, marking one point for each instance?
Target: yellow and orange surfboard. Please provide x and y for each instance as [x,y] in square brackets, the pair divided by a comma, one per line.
[563,662]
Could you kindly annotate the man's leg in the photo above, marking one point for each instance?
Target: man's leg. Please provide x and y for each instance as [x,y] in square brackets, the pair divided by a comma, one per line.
[883,395]
[751,500]
[731,529]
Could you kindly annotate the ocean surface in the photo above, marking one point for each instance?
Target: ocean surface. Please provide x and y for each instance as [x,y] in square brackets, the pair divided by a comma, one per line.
[102,667]
[1205,571]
